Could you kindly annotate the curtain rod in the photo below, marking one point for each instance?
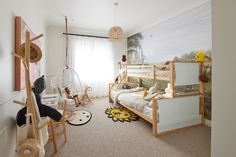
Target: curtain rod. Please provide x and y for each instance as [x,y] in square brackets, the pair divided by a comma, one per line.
[85,35]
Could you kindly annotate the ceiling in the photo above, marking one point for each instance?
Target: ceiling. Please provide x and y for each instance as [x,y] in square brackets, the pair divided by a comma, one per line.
[99,15]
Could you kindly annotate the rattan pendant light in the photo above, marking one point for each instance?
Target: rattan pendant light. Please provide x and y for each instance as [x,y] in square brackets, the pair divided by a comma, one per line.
[116,32]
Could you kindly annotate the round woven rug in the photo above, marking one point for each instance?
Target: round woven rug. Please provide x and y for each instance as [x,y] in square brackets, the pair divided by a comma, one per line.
[80,118]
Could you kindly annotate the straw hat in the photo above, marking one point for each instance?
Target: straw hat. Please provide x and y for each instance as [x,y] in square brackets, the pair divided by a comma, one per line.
[35,52]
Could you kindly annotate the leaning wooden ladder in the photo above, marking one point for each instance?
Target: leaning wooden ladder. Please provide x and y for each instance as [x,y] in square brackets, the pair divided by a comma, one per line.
[36,126]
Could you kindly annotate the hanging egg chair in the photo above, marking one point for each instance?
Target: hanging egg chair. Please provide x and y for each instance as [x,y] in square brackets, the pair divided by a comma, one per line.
[69,78]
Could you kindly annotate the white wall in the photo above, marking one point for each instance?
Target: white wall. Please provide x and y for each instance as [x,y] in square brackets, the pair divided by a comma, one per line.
[118,49]
[224,78]
[55,45]
[32,16]
[55,57]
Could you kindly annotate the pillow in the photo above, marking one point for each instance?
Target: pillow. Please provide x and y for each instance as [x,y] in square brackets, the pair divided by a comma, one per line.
[153,89]
[132,84]
[136,89]
[127,85]
[149,97]
[120,86]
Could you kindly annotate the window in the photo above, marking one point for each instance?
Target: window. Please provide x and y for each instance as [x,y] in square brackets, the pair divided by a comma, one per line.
[92,60]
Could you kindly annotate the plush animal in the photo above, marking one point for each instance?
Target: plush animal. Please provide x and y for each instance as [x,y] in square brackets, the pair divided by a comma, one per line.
[200,56]
[145,93]
[203,77]
[44,110]
[39,85]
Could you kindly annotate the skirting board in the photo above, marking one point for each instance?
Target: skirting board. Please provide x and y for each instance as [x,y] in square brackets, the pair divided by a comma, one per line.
[207,122]
[168,127]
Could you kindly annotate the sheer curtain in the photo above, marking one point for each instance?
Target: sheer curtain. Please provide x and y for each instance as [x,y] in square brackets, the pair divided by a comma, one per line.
[92,59]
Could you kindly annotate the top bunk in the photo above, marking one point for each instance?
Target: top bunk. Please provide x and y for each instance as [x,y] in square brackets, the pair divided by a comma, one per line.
[159,72]
[175,73]
[183,73]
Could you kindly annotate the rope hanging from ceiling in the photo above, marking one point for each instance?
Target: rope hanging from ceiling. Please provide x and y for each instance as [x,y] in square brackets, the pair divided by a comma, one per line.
[67,76]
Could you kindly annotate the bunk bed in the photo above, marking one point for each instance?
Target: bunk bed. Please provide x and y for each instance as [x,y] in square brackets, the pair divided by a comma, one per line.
[165,111]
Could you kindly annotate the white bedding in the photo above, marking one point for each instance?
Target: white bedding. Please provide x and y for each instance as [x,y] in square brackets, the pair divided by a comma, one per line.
[117,92]
[130,97]
[147,111]
[134,100]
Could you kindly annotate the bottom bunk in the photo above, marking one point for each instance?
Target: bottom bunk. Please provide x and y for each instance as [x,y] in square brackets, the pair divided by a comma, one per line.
[165,114]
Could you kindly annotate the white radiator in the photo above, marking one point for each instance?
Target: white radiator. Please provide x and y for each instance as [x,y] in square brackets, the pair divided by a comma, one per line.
[3,142]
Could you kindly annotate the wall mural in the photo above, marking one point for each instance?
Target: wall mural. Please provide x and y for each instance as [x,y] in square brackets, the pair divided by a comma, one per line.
[178,38]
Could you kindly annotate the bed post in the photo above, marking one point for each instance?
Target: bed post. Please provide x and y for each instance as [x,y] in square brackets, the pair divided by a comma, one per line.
[172,86]
[201,91]
[154,72]
[154,116]
[109,91]
[126,77]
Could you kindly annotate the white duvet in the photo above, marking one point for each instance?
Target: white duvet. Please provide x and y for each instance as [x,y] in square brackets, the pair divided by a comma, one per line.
[130,97]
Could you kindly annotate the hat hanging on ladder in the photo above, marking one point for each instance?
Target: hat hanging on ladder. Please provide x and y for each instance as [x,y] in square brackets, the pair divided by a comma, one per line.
[35,52]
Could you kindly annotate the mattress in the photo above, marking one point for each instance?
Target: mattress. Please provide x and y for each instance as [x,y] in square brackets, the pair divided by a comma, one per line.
[131,98]
[134,100]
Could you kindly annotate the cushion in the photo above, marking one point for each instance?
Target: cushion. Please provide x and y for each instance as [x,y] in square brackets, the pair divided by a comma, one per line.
[153,89]
[149,97]
[127,85]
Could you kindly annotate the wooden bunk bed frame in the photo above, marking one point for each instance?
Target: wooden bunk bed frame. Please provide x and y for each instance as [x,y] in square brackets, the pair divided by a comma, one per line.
[152,74]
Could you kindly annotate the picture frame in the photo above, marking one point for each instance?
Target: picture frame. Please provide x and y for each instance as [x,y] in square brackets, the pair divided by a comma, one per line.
[20,28]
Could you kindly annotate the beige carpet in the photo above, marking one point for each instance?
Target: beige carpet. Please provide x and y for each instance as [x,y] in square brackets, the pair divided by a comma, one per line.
[102,137]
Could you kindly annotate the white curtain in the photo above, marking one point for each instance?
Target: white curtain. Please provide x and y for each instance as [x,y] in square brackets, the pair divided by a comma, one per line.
[92,59]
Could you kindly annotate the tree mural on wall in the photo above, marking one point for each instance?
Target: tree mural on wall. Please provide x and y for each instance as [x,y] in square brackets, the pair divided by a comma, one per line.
[135,52]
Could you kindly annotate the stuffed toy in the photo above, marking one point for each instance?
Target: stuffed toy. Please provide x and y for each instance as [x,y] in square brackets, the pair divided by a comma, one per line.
[200,56]
[145,93]
[44,110]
